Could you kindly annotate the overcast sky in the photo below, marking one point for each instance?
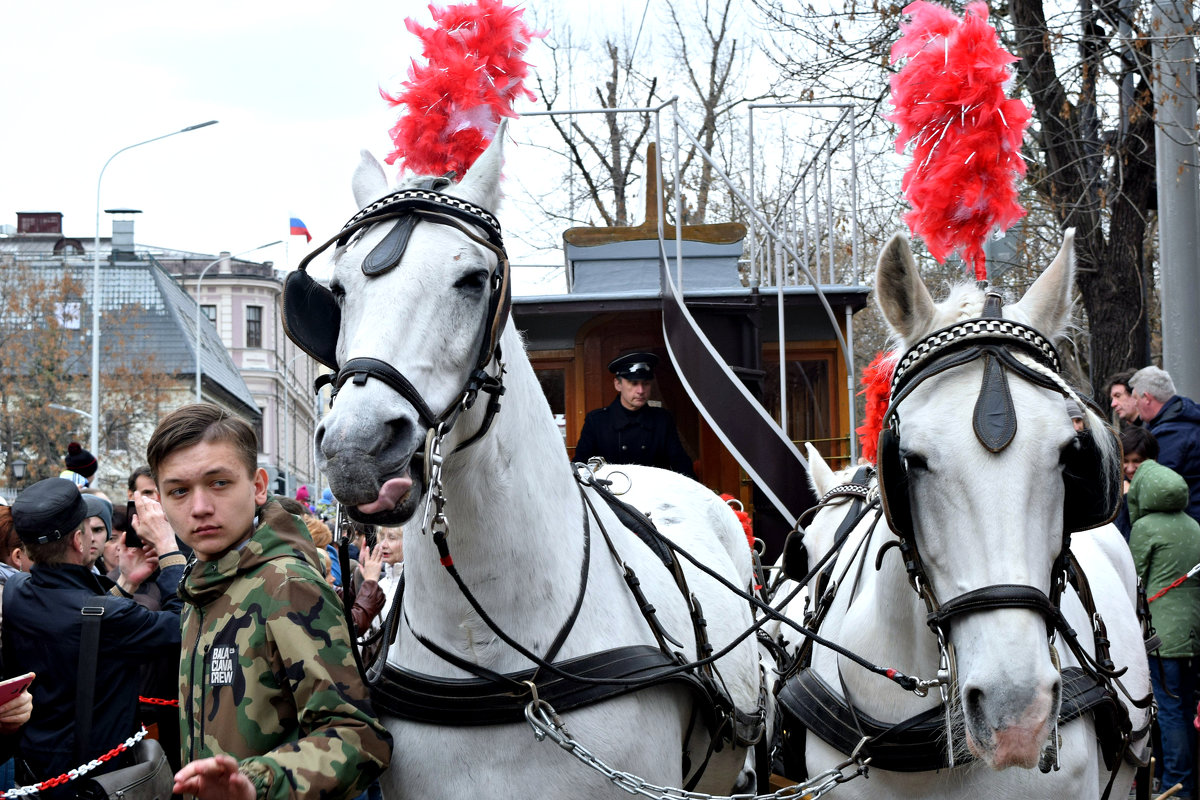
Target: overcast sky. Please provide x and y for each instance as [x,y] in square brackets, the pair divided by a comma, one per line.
[295,86]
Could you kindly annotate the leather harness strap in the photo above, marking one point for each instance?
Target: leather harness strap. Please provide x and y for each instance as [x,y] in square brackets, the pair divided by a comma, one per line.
[474,701]
[499,698]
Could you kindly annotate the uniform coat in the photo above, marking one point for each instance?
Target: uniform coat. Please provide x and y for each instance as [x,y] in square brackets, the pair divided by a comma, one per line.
[646,436]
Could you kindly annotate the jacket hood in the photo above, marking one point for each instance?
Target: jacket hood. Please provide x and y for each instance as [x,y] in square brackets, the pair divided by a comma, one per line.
[1177,409]
[1156,489]
[279,535]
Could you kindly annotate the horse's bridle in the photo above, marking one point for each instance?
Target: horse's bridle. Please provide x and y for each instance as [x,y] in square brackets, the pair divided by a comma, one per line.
[309,306]
[992,339]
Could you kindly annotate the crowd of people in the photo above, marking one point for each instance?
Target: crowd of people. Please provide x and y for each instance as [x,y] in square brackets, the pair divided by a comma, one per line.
[205,609]
[1160,518]
[222,628]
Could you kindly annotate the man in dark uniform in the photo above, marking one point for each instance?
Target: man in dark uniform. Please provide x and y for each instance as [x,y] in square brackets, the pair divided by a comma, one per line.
[629,430]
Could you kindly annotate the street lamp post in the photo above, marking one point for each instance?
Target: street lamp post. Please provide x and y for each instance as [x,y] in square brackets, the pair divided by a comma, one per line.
[18,470]
[95,439]
[207,267]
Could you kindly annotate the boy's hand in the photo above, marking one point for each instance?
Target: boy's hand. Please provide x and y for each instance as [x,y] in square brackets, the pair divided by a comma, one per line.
[217,778]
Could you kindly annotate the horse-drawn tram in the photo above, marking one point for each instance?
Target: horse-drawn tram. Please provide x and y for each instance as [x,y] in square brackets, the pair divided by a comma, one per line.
[954,618]
[615,305]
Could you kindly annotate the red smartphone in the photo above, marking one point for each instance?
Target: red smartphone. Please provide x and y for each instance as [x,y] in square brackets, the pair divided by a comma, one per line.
[12,687]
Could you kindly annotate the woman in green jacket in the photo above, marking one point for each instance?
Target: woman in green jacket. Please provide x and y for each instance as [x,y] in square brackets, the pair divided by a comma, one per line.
[1165,542]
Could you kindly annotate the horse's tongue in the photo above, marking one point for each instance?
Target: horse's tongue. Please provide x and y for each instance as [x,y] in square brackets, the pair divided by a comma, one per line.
[389,494]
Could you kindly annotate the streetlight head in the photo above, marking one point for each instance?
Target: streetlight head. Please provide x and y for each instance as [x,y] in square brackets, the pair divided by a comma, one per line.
[201,125]
[18,468]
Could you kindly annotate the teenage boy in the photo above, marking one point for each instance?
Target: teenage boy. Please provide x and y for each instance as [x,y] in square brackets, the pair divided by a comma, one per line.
[271,702]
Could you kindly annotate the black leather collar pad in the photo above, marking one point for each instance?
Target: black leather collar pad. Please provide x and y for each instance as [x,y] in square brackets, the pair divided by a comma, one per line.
[474,701]
[917,744]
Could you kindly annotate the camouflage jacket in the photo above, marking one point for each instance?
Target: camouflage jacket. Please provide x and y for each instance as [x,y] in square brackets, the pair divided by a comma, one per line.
[267,675]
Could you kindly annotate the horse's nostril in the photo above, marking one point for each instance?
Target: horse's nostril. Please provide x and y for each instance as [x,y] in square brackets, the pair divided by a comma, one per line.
[320,434]
[400,435]
[973,702]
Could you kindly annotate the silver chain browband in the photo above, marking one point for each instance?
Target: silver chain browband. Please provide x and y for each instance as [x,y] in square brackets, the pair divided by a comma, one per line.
[428,195]
[1004,330]
[846,490]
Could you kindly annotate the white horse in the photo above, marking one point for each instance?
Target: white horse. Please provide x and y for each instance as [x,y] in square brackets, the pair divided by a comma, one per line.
[981,519]
[515,521]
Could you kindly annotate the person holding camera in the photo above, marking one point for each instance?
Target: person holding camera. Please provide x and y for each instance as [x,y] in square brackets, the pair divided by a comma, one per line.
[43,632]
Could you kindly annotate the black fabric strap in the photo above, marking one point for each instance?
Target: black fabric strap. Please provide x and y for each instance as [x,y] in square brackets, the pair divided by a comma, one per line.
[637,522]
[85,686]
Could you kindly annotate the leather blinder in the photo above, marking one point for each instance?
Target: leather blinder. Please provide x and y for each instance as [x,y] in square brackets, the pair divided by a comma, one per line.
[795,555]
[311,317]
[893,483]
[1091,493]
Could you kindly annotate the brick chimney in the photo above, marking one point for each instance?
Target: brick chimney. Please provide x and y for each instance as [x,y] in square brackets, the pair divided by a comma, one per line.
[39,222]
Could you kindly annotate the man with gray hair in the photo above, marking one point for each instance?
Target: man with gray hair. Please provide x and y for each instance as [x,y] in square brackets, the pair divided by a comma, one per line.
[1175,422]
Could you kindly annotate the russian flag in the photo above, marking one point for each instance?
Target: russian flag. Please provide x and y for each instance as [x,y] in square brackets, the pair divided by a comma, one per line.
[298,228]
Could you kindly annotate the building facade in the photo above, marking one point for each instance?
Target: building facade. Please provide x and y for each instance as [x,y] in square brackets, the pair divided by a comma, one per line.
[239,352]
[239,300]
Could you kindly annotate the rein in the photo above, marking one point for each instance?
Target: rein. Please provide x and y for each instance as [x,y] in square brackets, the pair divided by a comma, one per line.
[919,743]
[311,310]
[991,339]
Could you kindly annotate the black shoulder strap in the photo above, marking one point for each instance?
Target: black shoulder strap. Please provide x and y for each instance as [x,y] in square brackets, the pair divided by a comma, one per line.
[85,687]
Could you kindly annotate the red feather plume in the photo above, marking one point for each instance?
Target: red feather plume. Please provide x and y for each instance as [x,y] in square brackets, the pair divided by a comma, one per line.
[474,72]
[877,386]
[743,517]
[950,104]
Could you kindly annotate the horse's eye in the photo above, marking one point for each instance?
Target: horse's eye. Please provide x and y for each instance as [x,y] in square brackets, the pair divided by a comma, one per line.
[914,462]
[338,291]
[472,281]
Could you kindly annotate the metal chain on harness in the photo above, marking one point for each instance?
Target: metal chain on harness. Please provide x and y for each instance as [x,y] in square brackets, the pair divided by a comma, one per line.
[435,501]
[547,724]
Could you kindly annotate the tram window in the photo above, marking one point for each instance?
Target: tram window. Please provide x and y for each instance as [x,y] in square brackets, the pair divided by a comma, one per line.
[809,411]
[554,387]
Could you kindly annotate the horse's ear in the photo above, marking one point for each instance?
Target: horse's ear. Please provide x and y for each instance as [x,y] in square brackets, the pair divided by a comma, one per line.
[820,476]
[481,184]
[369,181]
[905,302]
[1047,304]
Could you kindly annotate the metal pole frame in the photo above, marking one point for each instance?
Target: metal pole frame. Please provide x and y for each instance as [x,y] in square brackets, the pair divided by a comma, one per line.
[94,441]
[754,217]
[199,281]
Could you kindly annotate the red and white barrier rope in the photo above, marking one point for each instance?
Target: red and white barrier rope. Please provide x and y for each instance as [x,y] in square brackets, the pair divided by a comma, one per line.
[66,777]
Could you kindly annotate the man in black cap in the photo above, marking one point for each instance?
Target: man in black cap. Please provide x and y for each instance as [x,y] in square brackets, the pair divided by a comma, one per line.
[43,626]
[629,430]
